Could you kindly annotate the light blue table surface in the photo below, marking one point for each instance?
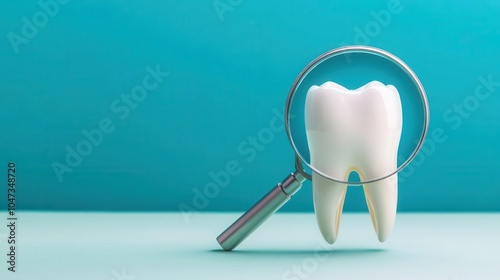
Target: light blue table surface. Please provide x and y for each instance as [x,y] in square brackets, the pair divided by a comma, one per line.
[140,246]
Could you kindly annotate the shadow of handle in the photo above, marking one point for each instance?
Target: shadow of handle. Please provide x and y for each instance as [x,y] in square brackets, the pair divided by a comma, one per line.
[260,212]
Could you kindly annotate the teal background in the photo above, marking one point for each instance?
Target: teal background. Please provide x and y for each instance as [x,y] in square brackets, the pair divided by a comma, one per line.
[227,77]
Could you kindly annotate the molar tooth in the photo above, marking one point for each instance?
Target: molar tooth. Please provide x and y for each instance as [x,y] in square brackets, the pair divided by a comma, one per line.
[354,130]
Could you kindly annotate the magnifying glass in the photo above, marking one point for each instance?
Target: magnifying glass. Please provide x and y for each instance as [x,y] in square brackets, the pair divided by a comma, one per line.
[318,113]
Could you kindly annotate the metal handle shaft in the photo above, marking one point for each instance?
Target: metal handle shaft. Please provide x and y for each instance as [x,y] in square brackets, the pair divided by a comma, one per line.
[260,212]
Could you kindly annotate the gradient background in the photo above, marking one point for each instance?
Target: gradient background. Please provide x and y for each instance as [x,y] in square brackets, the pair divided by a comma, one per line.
[229,75]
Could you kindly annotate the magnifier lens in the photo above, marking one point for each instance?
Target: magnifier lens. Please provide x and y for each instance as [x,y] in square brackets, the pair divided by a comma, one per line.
[354,132]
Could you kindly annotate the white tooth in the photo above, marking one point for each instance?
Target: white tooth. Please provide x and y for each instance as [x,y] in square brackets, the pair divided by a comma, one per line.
[354,130]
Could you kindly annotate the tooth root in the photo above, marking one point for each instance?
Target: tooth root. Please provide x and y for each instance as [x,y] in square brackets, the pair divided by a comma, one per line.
[328,203]
[382,198]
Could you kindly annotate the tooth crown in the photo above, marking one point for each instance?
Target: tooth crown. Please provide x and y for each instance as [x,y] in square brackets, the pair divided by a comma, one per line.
[354,130]
[373,104]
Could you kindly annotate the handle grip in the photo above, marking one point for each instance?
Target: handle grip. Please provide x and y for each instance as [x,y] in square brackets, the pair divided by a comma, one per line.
[260,212]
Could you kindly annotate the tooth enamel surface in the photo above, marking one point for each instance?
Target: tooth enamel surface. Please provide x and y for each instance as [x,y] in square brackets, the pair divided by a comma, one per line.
[354,130]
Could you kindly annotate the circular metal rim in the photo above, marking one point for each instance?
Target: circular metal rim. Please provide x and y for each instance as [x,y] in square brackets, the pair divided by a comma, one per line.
[346,50]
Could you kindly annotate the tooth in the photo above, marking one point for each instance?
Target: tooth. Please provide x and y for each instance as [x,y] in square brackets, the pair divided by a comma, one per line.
[354,130]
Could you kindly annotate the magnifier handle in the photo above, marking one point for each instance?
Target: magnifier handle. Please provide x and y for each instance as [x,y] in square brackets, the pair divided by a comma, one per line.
[260,212]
